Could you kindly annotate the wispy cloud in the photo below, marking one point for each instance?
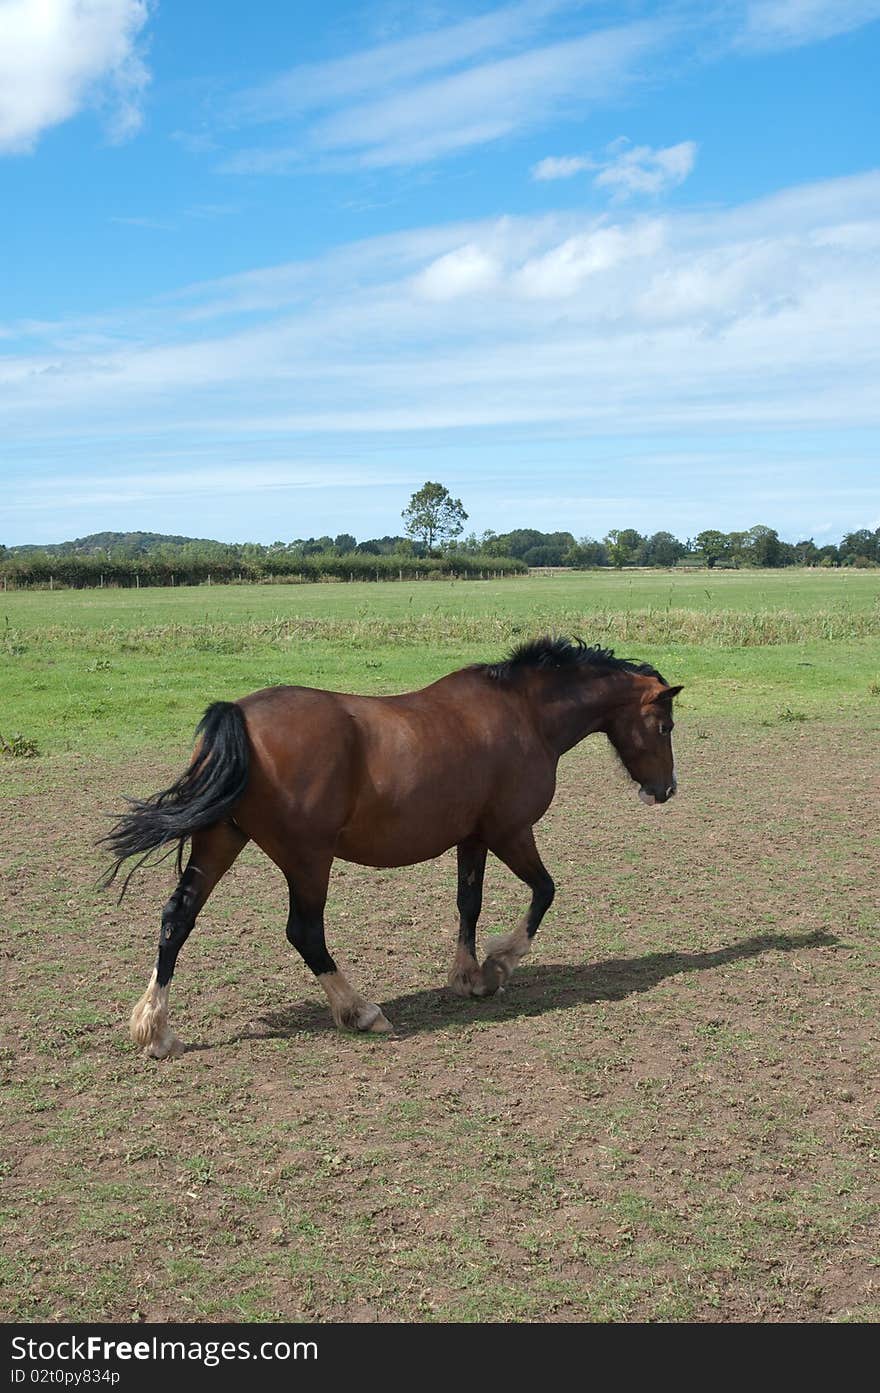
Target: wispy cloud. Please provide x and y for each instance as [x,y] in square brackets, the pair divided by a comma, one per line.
[626,169]
[427,102]
[315,86]
[150,224]
[563,272]
[514,69]
[58,56]
[774,24]
[462,272]
[488,101]
[209,211]
[639,169]
[764,313]
[561,167]
[292,475]
[198,212]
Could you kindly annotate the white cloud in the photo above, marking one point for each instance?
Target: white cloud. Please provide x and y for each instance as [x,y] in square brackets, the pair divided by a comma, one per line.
[57,56]
[411,123]
[514,68]
[772,24]
[466,271]
[562,271]
[627,170]
[314,86]
[762,314]
[488,101]
[561,166]
[97,490]
[643,170]
[720,285]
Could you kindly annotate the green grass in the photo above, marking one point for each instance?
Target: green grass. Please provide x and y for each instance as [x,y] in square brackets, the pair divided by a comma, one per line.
[95,670]
[800,591]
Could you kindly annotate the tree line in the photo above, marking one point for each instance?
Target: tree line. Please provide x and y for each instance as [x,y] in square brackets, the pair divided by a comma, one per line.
[758,546]
[435,517]
[196,563]
[432,547]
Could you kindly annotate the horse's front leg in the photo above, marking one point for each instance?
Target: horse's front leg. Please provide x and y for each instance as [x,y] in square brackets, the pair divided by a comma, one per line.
[305,930]
[503,954]
[466,977]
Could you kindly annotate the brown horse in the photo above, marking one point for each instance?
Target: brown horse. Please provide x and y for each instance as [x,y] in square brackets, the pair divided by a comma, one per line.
[468,762]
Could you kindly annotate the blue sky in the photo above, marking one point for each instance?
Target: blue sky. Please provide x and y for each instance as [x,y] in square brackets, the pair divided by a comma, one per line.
[265,269]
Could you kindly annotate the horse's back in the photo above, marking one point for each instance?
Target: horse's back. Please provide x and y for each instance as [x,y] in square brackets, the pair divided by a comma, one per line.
[387,780]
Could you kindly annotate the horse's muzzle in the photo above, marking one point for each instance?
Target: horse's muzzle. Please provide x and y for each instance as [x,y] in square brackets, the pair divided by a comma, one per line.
[656,793]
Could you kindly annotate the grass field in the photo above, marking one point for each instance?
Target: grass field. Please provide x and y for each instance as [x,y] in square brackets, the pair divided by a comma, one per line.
[670,1115]
[95,670]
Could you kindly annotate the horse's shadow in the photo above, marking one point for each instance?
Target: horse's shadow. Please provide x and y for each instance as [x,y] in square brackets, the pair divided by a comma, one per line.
[534,990]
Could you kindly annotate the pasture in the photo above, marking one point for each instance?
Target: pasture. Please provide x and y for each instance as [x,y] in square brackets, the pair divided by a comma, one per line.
[670,1115]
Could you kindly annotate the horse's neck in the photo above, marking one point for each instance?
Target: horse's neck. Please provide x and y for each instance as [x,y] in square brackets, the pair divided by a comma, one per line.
[570,713]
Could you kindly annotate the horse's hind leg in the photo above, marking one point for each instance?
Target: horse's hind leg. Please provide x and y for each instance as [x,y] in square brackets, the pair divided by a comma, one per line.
[307,884]
[521,855]
[466,978]
[213,852]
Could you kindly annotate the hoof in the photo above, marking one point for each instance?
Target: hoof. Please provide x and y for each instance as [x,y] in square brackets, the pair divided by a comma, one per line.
[371,1021]
[497,972]
[148,1024]
[502,958]
[349,1009]
[467,983]
[170,1048]
[466,976]
[380,1026]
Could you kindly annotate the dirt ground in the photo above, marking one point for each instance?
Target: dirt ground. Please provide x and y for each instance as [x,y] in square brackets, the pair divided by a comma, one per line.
[670,1115]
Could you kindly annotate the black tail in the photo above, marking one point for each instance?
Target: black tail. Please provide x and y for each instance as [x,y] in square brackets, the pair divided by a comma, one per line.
[205,794]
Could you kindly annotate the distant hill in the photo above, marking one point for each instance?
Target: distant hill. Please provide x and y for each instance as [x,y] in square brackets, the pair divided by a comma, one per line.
[132,543]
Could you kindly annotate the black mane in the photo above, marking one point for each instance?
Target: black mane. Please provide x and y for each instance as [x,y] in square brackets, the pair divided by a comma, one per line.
[555,652]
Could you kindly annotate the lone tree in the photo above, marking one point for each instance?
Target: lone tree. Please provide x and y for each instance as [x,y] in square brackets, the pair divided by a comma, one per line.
[714,545]
[433,516]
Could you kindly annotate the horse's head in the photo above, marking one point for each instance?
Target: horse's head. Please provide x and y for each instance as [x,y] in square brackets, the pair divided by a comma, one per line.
[641,733]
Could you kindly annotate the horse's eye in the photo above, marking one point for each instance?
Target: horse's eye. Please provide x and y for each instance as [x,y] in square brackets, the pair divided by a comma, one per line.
[667,728]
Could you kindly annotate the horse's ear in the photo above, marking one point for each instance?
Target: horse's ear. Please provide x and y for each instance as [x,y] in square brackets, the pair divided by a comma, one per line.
[665,694]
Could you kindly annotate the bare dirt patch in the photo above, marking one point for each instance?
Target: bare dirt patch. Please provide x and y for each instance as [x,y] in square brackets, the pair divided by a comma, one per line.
[671,1113]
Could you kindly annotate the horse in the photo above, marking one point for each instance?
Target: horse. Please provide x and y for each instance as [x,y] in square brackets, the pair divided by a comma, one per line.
[308,775]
